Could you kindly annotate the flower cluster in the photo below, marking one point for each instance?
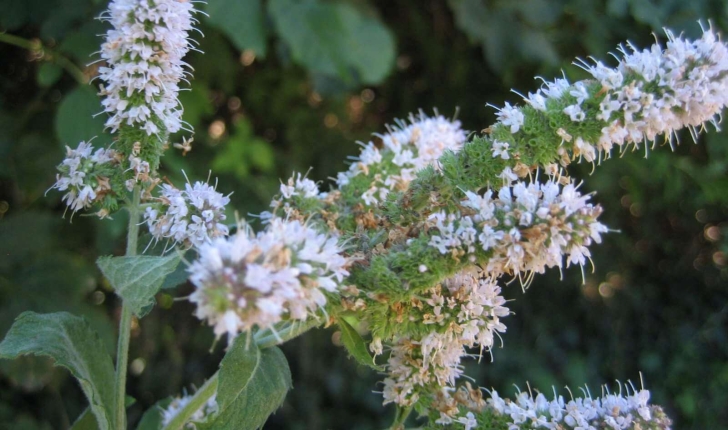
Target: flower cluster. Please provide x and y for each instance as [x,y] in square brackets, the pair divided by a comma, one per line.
[527,228]
[407,148]
[298,186]
[192,216]
[651,92]
[611,411]
[463,312]
[283,272]
[84,175]
[143,52]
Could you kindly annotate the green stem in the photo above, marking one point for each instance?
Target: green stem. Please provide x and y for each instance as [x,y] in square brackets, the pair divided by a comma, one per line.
[122,351]
[52,56]
[401,417]
[196,402]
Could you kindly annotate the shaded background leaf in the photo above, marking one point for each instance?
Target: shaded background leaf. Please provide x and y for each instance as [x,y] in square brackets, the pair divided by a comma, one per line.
[80,118]
[242,21]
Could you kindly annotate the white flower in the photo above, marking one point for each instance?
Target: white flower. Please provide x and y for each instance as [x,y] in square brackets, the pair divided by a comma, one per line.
[537,101]
[500,149]
[575,113]
[508,176]
[143,53]
[468,421]
[299,186]
[556,89]
[511,116]
[580,92]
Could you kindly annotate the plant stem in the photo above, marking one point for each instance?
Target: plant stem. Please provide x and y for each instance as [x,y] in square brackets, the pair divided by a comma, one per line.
[198,400]
[52,56]
[122,351]
[401,417]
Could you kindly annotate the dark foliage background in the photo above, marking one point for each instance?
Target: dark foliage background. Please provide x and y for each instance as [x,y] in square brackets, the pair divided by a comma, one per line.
[290,85]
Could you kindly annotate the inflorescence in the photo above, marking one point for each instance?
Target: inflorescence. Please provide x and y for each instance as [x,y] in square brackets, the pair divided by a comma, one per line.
[191,217]
[431,222]
[143,52]
[283,273]
[84,175]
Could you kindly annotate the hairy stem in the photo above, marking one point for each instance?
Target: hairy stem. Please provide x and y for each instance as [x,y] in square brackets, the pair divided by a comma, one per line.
[52,56]
[122,351]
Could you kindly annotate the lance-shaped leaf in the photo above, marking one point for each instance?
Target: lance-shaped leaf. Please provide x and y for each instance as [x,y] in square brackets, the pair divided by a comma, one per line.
[252,385]
[137,279]
[356,346]
[73,344]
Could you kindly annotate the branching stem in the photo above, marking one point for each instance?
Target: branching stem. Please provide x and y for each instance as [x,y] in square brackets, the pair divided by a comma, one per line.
[122,351]
[46,53]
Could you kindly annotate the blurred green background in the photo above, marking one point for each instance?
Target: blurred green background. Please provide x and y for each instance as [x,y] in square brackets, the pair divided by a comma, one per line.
[290,85]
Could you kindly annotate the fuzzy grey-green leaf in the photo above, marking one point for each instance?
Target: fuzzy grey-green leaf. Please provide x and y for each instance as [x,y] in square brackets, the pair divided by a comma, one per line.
[137,279]
[252,385]
[73,344]
[355,344]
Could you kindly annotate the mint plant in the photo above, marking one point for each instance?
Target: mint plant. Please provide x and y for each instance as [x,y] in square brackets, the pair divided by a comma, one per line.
[406,253]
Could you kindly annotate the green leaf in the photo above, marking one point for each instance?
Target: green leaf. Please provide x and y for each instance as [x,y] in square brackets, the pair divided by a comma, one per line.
[252,385]
[356,346]
[73,344]
[75,121]
[335,39]
[82,42]
[176,278]
[48,74]
[152,418]
[86,420]
[137,279]
[285,331]
[242,21]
